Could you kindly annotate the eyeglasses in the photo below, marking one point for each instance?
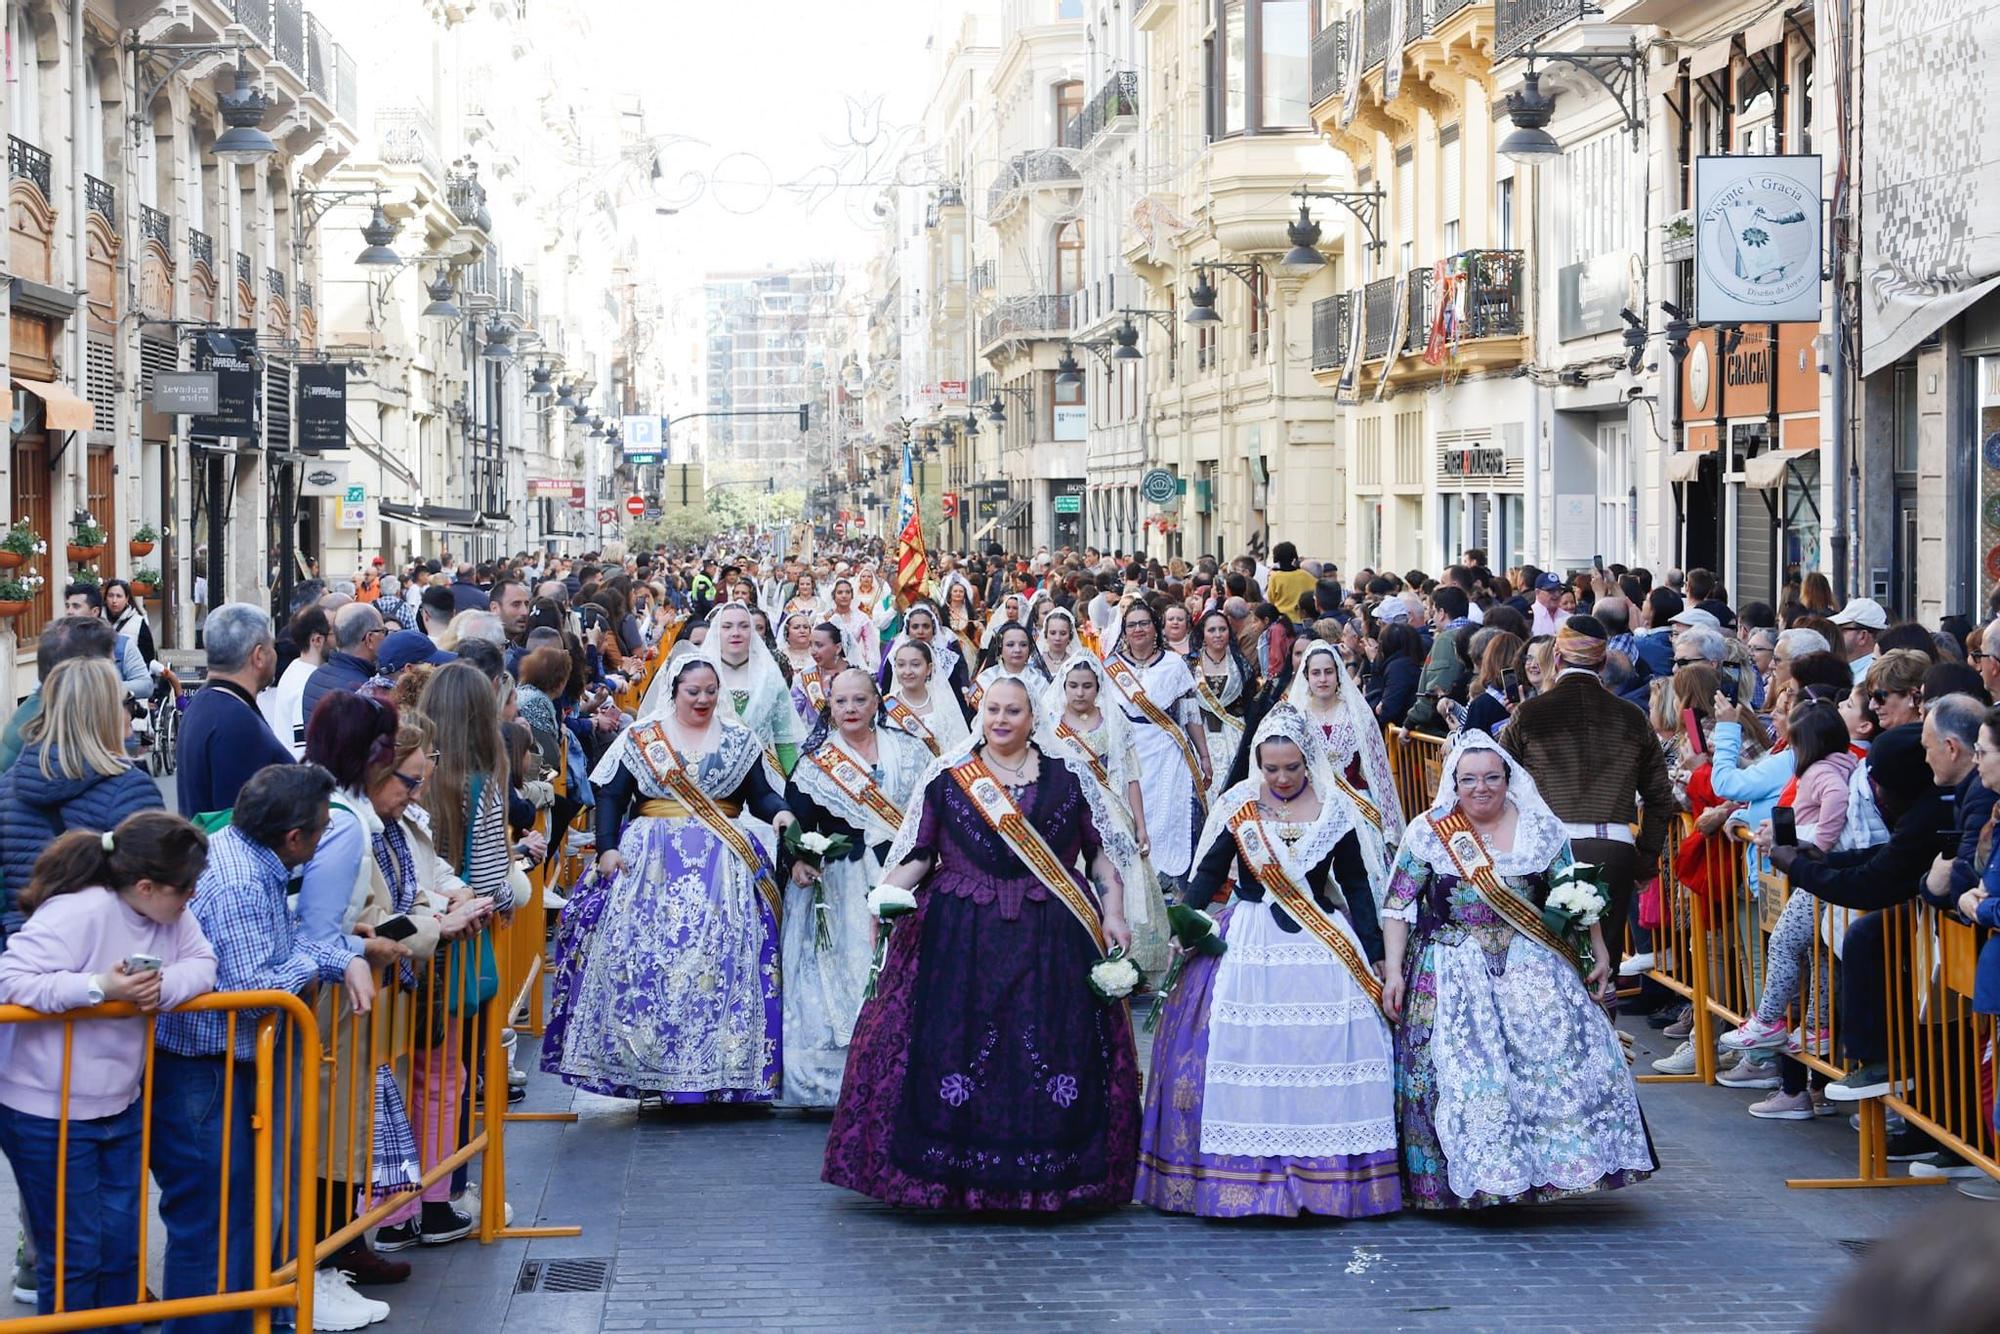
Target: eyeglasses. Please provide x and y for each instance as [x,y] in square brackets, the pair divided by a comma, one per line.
[1690,662]
[1884,696]
[1977,657]
[1470,781]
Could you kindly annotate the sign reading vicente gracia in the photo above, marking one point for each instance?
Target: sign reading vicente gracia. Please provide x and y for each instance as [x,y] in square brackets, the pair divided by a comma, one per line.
[1757,239]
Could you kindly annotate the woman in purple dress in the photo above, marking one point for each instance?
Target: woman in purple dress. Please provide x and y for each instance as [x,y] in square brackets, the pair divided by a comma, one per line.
[1272,1083]
[986,1074]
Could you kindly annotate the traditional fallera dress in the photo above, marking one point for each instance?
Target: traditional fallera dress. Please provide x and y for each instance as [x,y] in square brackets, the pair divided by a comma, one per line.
[666,975]
[1360,763]
[809,688]
[1271,1088]
[1158,702]
[1220,689]
[985,1074]
[938,722]
[1511,1085]
[835,791]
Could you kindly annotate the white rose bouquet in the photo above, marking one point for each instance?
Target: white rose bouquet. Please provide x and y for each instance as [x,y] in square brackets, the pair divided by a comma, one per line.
[1577,898]
[885,904]
[815,850]
[1114,977]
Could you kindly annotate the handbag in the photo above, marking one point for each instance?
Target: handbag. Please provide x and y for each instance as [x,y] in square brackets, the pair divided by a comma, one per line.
[471,962]
[1649,905]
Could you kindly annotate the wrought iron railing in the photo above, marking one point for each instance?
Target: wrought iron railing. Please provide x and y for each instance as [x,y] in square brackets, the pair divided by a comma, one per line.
[1375,32]
[274,283]
[101,198]
[1329,61]
[1039,167]
[242,268]
[515,282]
[288,34]
[1420,310]
[981,279]
[1379,301]
[1494,306]
[156,226]
[467,197]
[950,196]
[306,297]
[201,248]
[1333,325]
[346,92]
[1519,23]
[1042,315]
[25,162]
[256,16]
[407,135]
[318,49]
[1117,99]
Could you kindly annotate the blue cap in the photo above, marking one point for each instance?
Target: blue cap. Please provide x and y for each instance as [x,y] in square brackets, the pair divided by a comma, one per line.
[405,647]
[1548,583]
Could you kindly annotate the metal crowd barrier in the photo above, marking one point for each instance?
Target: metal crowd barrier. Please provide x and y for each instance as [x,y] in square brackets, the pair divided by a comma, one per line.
[319,1186]
[1415,759]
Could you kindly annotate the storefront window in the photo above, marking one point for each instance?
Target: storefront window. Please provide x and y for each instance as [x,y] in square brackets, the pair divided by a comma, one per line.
[1801,537]
[1988,552]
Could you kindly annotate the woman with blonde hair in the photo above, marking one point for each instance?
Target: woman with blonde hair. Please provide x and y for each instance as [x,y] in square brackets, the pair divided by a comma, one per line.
[73,772]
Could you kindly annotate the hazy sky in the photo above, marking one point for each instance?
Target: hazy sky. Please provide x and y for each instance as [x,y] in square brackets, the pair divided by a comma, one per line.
[800,109]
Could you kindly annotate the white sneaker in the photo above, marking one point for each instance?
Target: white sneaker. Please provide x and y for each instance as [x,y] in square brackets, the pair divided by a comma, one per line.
[1681,1062]
[1749,1074]
[337,1306]
[553,899]
[1636,964]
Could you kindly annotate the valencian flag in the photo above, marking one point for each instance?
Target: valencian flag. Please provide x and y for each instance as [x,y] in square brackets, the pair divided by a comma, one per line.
[913,566]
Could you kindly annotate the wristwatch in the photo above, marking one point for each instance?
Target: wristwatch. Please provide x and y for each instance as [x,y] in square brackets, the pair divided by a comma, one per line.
[94,989]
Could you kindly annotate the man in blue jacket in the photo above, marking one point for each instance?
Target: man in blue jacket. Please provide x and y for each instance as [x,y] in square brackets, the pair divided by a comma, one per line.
[357,638]
[224,738]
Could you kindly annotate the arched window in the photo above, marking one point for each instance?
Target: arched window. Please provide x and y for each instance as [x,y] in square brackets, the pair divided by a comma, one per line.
[1069,258]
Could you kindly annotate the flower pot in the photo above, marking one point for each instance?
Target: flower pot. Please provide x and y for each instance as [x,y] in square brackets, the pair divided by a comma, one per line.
[84,553]
[142,589]
[10,560]
[142,548]
[9,610]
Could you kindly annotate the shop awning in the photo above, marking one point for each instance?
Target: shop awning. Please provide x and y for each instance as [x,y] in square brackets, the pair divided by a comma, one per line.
[442,518]
[1767,470]
[1684,466]
[62,409]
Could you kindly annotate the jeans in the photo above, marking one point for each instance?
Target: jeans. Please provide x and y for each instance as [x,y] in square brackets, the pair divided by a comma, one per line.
[191,1133]
[100,1206]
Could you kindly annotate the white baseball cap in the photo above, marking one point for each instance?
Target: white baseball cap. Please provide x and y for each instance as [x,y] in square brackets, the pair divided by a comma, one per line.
[1696,616]
[1864,612]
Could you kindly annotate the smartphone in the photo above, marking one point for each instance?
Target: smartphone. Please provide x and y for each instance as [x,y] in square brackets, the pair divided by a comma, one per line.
[1510,684]
[1729,688]
[1691,726]
[1597,562]
[1784,827]
[399,927]
[142,963]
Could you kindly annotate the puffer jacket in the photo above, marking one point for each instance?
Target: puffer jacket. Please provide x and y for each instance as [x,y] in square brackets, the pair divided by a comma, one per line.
[35,808]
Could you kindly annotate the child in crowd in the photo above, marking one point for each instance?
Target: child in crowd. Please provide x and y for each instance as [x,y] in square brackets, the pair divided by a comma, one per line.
[106,923]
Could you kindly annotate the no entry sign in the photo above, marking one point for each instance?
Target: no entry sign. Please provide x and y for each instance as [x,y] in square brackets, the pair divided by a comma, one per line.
[635,505]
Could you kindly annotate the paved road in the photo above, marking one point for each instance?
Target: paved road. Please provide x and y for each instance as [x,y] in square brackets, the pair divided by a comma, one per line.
[723,1223]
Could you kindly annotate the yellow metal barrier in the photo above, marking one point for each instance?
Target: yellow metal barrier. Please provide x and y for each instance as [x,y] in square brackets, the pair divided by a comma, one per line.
[1940,1051]
[1415,760]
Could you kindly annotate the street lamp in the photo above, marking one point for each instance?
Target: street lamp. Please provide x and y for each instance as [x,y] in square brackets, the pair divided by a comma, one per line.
[378,233]
[1530,109]
[538,381]
[1068,373]
[1201,300]
[499,342]
[581,416]
[243,143]
[565,396]
[441,291]
[1126,335]
[597,431]
[1304,233]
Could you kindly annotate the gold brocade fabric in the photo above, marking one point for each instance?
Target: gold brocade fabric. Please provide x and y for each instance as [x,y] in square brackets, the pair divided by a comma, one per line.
[669,808]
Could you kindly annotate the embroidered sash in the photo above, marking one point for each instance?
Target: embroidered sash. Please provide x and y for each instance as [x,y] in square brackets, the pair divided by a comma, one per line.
[1369,810]
[1120,671]
[1083,749]
[1025,841]
[857,783]
[912,722]
[1475,866]
[665,766]
[815,689]
[1260,851]
[1212,703]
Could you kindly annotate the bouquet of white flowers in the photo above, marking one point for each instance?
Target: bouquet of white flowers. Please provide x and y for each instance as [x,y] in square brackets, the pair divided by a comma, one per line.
[885,904]
[1196,933]
[815,850]
[1114,977]
[1576,901]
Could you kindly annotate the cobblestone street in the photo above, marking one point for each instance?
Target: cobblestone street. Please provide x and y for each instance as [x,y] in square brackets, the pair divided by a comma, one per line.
[723,1223]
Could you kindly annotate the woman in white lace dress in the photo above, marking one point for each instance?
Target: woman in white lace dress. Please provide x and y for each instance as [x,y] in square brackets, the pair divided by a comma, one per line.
[1339,714]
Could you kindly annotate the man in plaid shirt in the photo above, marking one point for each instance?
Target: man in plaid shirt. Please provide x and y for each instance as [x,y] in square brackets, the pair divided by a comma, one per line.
[240,902]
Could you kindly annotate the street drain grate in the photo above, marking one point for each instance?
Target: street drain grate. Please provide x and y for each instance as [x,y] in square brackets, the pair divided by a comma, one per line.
[563,1276]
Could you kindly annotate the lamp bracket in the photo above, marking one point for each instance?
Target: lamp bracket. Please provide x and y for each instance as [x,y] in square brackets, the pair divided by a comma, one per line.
[1617,72]
[182,55]
[1163,318]
[1365,205]
[1099,348]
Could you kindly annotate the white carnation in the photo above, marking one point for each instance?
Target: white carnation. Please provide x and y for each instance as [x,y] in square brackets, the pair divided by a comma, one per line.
[1114,979]
[815,843]
[887,901]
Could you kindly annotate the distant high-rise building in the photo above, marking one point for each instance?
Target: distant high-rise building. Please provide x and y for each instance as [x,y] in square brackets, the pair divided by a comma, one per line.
[763,329]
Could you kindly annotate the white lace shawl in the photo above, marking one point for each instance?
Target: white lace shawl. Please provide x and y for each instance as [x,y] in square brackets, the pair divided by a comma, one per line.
[1232,689]
[998,618]
[1355,729]
[946,722]
[943,656]
[1337,814]
[1539,836]
[1167,683]
[718,771]
[1114,730]
[1076,648]
[903,759]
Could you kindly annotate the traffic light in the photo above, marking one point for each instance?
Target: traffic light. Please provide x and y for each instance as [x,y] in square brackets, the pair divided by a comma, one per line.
[805,417]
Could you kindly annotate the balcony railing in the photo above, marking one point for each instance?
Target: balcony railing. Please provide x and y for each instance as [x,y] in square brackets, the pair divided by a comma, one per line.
[1420,311]
[101,198]
[1375,32]
[1044,166]
[467,198]
[407,135]
[1046,314]
[25,162]
[1520,23]
[981,278]
[156,226]
[1329,61]
[288,34]
[1117,99]
[1333,325]
[318,58]
[1378,300]
[242,268]
[950,196]
[256,16]
[346,92]
[201,248]
[1493,301]
[306,297]
[274,283]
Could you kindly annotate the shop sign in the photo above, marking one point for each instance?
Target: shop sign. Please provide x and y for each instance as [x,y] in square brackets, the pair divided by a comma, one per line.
[1757,239]
[1464,462]
[1591,294]
[232,355]
[322,406]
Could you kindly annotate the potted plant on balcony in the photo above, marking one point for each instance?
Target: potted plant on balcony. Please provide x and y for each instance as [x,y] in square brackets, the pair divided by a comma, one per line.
[1677,236]
[144,580]
[144,540]
[86,540]
[17,593]
[19,545]
[85,574]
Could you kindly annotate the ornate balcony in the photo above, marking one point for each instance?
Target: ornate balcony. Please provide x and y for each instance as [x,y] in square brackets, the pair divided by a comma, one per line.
[467,198]
[1518,24]
[1045,166]
[101,198]
[243,268]
[201,248]
[1329,61]
[1333,325]
[1378,302]
[1117,101]
[156,226]
[319,59]
[256,16]
[274,283]
[306,298]
[406,135]
[1486,328]
[1044,315]
[25,162]
[288,34]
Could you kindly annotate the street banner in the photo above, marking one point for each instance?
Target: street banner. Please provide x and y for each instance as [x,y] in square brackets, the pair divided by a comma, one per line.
[322,406]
